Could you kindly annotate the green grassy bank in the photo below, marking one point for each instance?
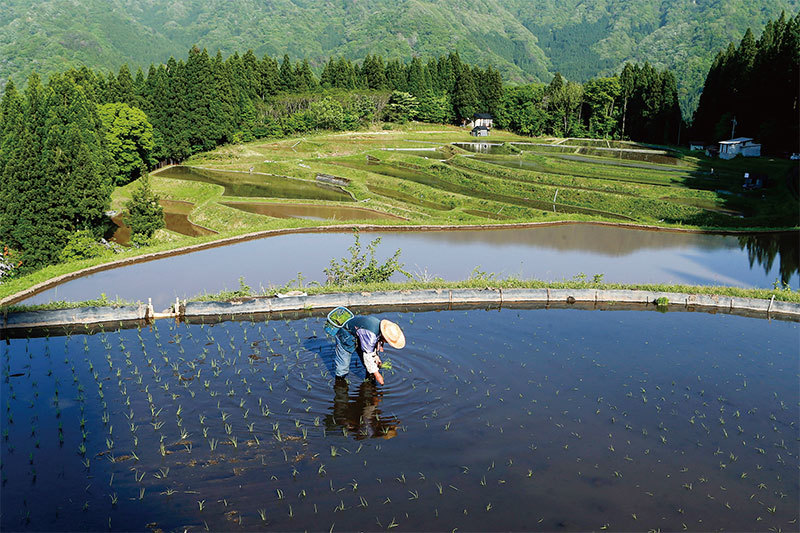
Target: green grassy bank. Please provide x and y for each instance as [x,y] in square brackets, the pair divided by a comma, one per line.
[477,282]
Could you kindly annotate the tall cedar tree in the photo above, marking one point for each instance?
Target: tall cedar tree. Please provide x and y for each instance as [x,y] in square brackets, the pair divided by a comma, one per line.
[124,87]
[287,79]
[12,185]
[465,97]
[25,184]
[225,111]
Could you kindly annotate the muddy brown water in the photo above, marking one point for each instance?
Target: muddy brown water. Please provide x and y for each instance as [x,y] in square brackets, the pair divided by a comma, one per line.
[503,420]
[176,218]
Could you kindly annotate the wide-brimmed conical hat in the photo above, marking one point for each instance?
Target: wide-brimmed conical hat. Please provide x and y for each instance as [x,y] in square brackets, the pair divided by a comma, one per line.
[392,334]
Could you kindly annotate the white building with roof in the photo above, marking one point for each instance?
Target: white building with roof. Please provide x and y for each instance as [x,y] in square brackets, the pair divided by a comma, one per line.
[740,145]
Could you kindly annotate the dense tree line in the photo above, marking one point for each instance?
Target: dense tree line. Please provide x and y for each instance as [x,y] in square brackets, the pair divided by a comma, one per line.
[204,101]
[64,145]
[641,104]
[55,168]
[758,84]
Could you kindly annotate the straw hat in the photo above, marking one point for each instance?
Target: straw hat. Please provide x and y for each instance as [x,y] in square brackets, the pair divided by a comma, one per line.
[392,334]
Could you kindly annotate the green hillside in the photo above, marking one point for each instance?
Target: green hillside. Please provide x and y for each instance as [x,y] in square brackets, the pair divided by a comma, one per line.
[525,39]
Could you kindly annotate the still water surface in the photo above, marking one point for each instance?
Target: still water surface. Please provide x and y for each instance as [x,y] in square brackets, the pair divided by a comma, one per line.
[259,185]
[547,253]
[519,419]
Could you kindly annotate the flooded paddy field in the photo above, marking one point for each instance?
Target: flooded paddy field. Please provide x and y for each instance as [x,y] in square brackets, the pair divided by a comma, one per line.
[311,211]
[622,255]
[176,218]
[431,180]
[517,419]
[258,185]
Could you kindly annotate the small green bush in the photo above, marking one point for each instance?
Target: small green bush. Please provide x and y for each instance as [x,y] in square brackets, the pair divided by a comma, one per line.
[81,245]
[362,267]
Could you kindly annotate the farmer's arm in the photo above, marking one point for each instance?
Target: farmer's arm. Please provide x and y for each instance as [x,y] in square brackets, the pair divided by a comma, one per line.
[369,343]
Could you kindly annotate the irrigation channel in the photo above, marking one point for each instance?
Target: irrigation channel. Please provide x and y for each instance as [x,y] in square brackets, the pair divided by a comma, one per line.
[510,419]
[556,252]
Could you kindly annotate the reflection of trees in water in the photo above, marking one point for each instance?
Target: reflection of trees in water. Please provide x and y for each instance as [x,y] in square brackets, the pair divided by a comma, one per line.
[360,414]
[763,248]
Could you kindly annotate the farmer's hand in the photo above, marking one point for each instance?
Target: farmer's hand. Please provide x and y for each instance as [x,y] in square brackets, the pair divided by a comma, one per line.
[378,360]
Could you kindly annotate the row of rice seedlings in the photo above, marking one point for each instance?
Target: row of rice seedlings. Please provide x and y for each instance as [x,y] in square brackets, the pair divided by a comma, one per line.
[494,397]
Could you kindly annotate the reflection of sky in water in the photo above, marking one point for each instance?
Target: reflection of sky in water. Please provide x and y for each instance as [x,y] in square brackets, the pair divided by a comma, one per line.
[548,253]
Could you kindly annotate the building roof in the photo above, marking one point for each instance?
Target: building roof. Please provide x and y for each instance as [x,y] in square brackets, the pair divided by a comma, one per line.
[483,115]
[737,140]
[480,128]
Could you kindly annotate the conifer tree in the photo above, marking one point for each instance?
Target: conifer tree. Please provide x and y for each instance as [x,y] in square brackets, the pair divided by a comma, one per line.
[416,78]
[25,183]
[144,214]
[248,77]
[326,77]
[200,116]
[178,130]
[124,91]
[447,79]
[304,78]
[156,106]
[224,108]
[138,89]
[11,124]
[396,78]
[112,92]
[373,71]
[344,75]
[269,77]
[465,96]
[87,80]
[287,79]
[12,127]
[490,89]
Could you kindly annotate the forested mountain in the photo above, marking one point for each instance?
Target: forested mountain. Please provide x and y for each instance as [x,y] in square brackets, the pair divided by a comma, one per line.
[526,40]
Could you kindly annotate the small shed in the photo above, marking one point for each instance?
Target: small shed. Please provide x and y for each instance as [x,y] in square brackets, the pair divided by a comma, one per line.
[697,145]
[480,131]
[740,145]
[482,119]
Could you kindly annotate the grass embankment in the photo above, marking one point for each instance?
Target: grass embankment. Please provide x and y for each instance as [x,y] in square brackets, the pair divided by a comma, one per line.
[472,283]
[464,190]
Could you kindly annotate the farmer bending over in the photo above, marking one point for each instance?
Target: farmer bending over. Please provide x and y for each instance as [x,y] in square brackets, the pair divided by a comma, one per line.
[365,334]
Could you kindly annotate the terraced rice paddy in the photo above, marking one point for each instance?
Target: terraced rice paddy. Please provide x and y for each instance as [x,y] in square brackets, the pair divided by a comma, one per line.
[518,419]
[258,185]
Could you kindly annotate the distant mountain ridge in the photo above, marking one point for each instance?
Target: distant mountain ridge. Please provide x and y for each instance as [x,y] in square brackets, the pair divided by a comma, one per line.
[527,40]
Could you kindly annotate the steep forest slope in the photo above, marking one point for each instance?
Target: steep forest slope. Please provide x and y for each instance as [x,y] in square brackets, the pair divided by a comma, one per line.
[527,40]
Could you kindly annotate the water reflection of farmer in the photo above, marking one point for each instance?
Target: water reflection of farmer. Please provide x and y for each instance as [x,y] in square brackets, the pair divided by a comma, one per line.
[360,414]
[364,335]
